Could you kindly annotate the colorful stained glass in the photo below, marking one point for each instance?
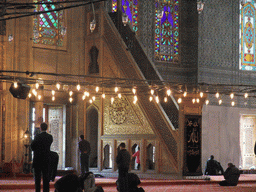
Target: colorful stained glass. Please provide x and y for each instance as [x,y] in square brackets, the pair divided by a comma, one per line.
[114,6]
[130,7]
[49,27]
[247,36]
[167,30]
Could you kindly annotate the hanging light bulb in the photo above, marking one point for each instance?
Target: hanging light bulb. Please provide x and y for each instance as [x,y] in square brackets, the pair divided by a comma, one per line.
[90,101]
[92,25]
[220,101]
[179,100]
[78,87]
[197,100]
[157,99]
[58,86]
[231,95]
[150,98]
[193,100]
[93,98]
[70,93]
[70,99]
[15,84]
[201,94]
[29,95]
[125,19]
[134,90]
[245,95]
[112,100]
[217,95]
[165,99]
[103,95]
[37,85]
[97,89]
[207,102]
[116,89]
[152,91]
[84,96]
[168,92]
[233,103]
[10,38]
[86,93]
[39,97]
[34,92]
[53,98]
[53,92]
[119,95]
[185,93]
[200,6]
[135,99]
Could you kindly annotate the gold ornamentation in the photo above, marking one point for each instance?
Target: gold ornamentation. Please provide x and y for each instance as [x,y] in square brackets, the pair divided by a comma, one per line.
[118,111]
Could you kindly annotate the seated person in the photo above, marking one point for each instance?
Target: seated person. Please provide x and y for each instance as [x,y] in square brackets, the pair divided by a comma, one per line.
[213,167]
[87,183]
[231,176]
[133,182]
[68,183]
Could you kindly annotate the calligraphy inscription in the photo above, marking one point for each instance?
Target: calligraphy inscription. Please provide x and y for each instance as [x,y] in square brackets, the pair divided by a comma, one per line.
[193,138]
[192,145]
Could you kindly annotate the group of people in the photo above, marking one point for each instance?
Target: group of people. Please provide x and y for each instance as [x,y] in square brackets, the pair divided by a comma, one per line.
[45,164]
[231,175]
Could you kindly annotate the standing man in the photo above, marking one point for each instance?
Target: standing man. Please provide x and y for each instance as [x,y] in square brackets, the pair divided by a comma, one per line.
[123,160]
[85,149]
[41,147]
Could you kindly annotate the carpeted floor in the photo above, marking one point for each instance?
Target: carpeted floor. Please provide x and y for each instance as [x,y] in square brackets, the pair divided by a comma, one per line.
[247,183]
[174,188]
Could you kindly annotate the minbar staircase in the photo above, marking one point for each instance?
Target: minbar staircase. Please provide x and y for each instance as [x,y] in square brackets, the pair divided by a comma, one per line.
[134,63]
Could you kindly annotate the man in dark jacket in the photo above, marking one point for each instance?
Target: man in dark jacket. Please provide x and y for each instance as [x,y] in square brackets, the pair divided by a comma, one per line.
[85,149]
[123,160]
[41,147]
[231,176]
[213,167]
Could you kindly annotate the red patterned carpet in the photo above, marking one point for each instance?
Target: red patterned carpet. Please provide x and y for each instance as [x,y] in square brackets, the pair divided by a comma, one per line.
[247,183]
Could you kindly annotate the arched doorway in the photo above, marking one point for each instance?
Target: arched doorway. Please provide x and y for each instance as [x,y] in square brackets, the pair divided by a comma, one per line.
[107,161]
[150,161]
[135,157]
[92,134]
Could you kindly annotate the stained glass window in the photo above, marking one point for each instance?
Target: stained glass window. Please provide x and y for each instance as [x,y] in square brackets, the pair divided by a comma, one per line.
[114,6]
[130,7]
[247,36]
[167,30]
[49,27]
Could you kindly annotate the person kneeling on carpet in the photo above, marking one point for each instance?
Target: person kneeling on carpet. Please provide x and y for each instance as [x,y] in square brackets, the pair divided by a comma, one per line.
[68,183]
[133,182]
[87,183]
[231,176]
